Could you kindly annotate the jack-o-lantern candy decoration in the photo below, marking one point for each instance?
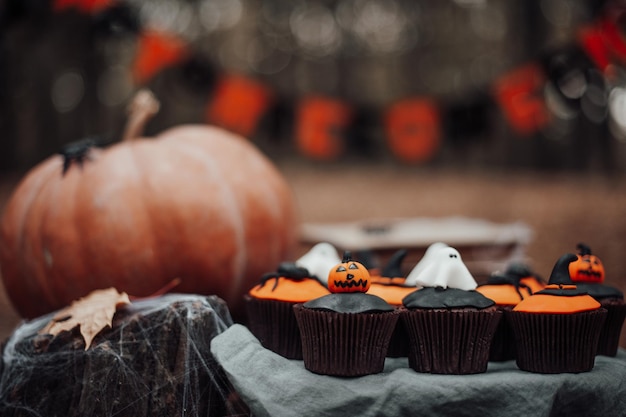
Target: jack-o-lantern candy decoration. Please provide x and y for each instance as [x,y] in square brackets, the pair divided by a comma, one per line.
[348,276]
[588,267]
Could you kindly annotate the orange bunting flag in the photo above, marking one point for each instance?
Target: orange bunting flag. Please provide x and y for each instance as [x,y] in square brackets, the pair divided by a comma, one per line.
[603,42]
[321,127]
[156,51]
[85,6]
[519,94]
[413,130]
[238,104]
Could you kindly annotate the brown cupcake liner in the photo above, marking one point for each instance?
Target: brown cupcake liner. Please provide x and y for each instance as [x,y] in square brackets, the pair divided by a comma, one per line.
[450,341]
[399,342]
[503,343]
[608,342]
[344,344]
[274,324]
[556,343]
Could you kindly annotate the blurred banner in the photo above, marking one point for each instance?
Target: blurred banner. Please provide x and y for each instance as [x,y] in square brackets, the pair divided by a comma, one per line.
[537,84]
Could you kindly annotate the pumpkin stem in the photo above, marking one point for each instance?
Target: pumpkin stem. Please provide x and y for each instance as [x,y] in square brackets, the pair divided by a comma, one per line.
[583,249]
[347,256]
[142,107]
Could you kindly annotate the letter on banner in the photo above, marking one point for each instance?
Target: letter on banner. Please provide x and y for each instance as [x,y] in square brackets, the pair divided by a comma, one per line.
[519,94]
[322,124]
[413,129]
[156,51]
[238,104]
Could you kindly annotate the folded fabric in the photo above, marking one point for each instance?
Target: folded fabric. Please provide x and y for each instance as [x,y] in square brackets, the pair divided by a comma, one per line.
[274,386]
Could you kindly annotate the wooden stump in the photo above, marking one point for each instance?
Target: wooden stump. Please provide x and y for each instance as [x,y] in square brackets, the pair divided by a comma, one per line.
[154,361]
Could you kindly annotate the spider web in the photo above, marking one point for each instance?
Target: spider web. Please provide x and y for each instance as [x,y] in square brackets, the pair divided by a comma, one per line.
[154,361]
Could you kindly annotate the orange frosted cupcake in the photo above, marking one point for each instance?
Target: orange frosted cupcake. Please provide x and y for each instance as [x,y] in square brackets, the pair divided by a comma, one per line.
[557,329]
[507,290]
[269,304]
[588,274]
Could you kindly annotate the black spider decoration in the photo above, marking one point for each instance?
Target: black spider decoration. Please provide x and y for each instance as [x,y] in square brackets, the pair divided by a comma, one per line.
[77,152]
[287,270]
[512,276]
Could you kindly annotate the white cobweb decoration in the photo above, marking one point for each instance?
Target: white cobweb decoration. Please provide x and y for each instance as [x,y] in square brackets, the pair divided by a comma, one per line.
[154,361]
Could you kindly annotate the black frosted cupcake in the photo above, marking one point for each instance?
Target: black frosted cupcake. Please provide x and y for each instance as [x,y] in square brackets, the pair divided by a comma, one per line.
[450,325]
[347,332]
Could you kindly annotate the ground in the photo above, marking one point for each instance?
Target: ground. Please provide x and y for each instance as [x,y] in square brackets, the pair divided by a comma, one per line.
[561,208]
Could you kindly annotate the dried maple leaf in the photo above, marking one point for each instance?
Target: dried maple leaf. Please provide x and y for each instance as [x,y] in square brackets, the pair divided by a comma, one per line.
[91,314]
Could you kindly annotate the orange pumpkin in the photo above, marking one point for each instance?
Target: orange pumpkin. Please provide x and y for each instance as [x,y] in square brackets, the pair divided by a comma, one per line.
[348,276]
[587,268]
[195,202]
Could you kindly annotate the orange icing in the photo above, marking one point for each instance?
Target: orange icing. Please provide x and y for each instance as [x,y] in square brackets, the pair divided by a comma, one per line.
[503,294]
[289,290]
[534,284]
[547,303]
[387,280]
[393,294]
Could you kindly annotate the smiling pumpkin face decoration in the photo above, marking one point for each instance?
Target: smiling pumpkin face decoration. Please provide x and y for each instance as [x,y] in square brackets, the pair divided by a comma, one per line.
[348,276]
[587,268]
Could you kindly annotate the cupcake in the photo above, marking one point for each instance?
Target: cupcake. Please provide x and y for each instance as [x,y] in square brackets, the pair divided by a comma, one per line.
[507,290]
[450,325]
[346,333]
[557,329]
[269,304]
[390,285]
[588,273]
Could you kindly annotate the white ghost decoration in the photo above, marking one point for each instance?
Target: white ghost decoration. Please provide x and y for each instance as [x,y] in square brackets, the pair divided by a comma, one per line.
[319,260]
[411,278]
[447,270]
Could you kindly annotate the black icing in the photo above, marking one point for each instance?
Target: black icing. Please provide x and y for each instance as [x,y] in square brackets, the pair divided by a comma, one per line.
[356,302]
[438,297]
[393,268]
[560,272]
[600,291]
[352,283]
[560,276]
[562,292]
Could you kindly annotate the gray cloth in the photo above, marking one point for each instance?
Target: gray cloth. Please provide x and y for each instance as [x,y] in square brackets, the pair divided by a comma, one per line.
[274,386]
